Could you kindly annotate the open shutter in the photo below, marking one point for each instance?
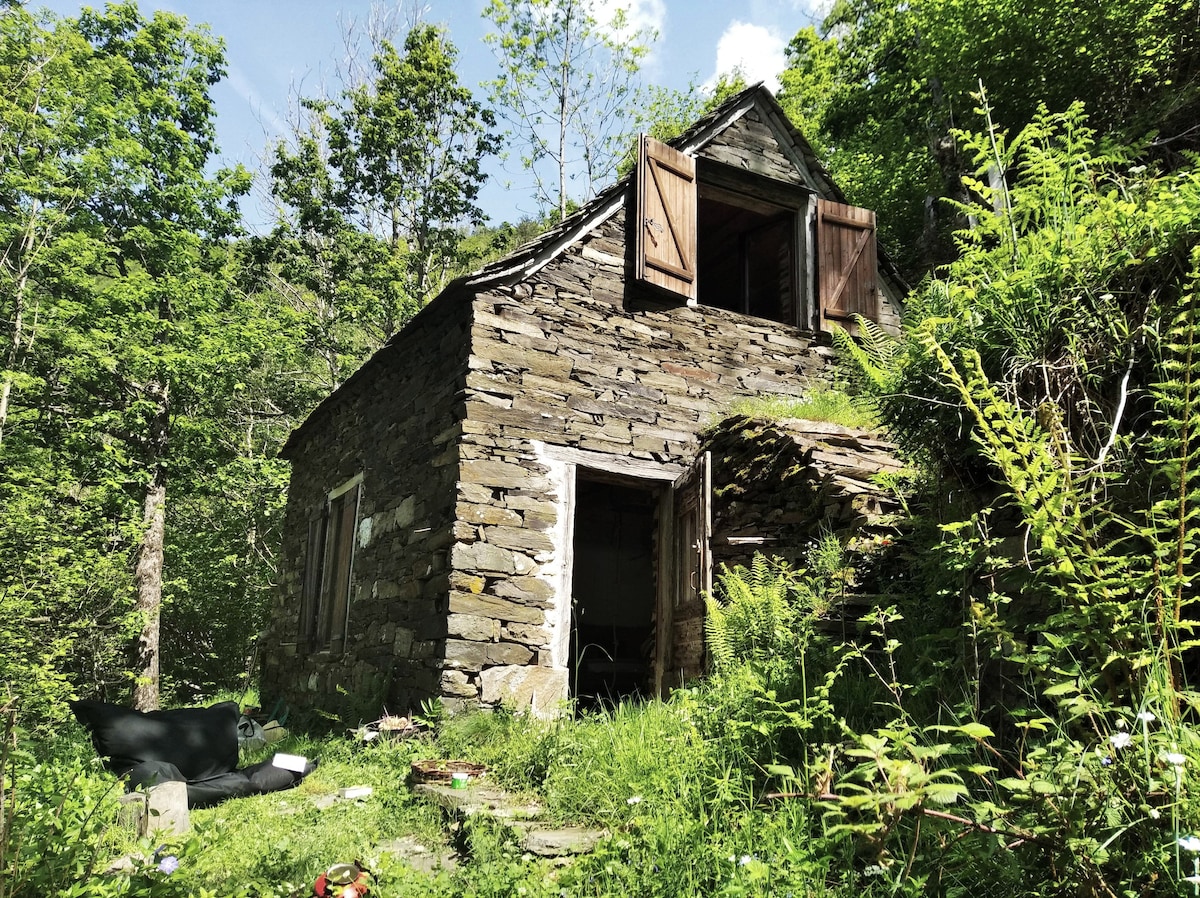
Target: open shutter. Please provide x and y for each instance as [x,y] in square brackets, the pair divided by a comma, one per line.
[666,218]
[339,563]
[310,589]
[692,574]
[846,262]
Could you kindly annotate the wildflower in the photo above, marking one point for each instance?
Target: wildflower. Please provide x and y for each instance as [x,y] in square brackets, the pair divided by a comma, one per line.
[1146,716]
[745,860]
[634,799]
[1174,758]
[873,870]
[1120,740]
[1190,843]
[168,864]
[1106,761]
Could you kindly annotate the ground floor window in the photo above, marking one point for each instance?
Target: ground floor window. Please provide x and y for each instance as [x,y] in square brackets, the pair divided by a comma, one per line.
[328,568]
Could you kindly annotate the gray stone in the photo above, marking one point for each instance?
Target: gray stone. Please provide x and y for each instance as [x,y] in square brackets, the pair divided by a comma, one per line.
[562,842]
[539,689]
[160,810]
[519,538]
[483,557]
[490,606]
[470,626]
[527,590]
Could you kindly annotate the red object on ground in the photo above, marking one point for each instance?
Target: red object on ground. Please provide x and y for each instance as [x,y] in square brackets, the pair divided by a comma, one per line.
[342,881]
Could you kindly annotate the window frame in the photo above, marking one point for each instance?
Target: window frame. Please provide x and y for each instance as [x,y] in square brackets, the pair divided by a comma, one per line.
[745,191]
[666,186]
[329,549]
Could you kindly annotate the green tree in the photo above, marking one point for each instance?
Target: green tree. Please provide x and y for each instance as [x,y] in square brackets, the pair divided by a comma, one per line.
[157,209]
[568,90]
[884,87]
[127,298]
[378,190]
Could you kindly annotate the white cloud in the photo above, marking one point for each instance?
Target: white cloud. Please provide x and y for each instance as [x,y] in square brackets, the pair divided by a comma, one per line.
[817,9]
[758,53]
[640,15]
[269,118]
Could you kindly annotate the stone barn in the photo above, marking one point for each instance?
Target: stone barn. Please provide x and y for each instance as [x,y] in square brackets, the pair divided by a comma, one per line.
[510,501]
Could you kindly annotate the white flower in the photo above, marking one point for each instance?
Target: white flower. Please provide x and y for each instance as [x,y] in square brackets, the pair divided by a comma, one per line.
[1174,758]
[1190,843]
[745,859]
[1146,717]
[1120,740]
[634,799]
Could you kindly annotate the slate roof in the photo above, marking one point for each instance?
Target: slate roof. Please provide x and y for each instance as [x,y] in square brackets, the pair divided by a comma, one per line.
[531,256]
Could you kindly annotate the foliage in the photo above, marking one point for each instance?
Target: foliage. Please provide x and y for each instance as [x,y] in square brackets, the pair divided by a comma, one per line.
[883,88]
[378,187]
[57,835]
[111,232]
[567,88]
[1062,334]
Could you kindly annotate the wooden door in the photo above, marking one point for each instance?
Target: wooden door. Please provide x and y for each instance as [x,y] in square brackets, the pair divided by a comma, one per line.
[690,567]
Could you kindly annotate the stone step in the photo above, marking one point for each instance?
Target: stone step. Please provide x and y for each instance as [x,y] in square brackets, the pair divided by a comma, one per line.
[536,837]
[565,841]
[478,798]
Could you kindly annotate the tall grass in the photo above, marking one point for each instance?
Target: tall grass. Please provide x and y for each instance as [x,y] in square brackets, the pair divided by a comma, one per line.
[830,406]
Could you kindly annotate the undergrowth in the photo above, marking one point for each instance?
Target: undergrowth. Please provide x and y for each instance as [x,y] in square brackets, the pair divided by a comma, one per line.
[827,405]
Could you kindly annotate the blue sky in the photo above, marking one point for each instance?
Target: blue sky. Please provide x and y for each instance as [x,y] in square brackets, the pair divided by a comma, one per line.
[276,49]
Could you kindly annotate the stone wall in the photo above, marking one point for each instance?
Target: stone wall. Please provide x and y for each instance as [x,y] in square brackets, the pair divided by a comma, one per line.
[571,358]
[778,486]
[394,424]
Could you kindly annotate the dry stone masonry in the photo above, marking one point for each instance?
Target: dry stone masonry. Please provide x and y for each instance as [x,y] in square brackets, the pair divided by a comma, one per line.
[469,442]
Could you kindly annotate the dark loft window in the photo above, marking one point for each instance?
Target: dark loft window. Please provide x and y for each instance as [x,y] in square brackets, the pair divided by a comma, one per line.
[328,565]
[712,234]
[746,259]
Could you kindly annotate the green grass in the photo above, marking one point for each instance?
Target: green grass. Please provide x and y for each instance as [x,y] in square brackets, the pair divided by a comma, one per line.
[830,406]
[647,773]
[289,837]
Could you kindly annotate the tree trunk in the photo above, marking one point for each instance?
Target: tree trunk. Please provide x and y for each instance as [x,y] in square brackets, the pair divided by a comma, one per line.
[20,286]
[148,574]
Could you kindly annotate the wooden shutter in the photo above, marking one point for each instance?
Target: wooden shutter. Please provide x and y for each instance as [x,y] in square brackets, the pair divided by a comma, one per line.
[846,262]
[310,588]
[666,218]
[339,563]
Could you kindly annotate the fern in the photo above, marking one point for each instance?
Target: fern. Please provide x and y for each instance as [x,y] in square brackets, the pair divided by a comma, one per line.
[872,355]
[754,612]
[1070,537]
[1171,521]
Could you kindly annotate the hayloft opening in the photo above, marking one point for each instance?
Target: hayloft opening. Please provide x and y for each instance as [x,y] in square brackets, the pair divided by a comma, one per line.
[746,256]
[613,591]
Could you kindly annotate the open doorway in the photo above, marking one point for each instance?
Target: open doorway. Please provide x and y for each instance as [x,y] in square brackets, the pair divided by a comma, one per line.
[614,590]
